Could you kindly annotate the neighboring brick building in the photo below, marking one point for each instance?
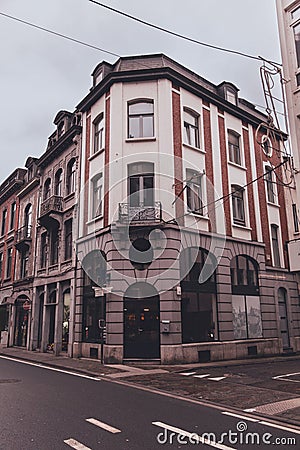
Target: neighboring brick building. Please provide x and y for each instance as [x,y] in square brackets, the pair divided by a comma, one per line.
[160,146]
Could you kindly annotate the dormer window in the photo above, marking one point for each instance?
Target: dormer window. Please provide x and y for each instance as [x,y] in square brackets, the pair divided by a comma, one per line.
[60,129]
[230,96]
[99,78]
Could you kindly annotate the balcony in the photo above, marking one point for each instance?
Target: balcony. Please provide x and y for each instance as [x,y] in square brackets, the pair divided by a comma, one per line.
[140,213]
[51,210]
[23,238]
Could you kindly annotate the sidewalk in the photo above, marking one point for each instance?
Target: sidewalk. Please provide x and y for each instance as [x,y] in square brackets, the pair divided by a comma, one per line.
[229,389]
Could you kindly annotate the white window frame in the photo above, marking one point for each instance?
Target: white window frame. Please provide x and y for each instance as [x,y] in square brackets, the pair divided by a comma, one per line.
[96,210]
[240,221]
[98,134]
[191,128]
[232,147]
[194,191]
[140,117]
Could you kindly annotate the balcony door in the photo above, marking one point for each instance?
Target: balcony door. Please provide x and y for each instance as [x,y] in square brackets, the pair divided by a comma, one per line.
[141,184]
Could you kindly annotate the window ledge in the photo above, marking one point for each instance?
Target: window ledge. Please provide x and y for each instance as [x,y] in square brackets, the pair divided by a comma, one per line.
[94,155]
[275,205]
[141,139]
[241,227]
[195,214]
[198,149]
[95,220]
[69,196]
[238,166]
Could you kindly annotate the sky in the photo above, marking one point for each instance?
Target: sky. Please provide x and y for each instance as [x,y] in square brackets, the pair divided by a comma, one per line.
[42,74]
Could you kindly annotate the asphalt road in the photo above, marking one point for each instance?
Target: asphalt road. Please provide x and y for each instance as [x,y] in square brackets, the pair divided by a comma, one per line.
[47,409]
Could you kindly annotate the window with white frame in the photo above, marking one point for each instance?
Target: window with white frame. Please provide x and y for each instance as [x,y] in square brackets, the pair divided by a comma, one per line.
[238,207]
[98,133]
[270,184]
[275,245]
[141,184]
[191,128]
[97,188]
[71,176]
[140,119]
[230,96]
[234,140]
[297,42]
[194,194]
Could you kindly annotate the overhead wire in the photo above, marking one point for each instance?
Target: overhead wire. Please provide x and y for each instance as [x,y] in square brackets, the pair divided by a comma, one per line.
[178,35]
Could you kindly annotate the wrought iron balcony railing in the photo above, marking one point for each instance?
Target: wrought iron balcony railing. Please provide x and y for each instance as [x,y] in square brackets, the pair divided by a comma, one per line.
[52,204]
[140,213]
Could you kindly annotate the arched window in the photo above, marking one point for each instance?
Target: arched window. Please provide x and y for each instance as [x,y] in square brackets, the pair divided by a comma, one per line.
[58,183]
[47,189]
[238,208]
[140,119]
[28,220]
[99,133]
[71,176]
[198,296]
[244,275]
[234,150]
[246,312]
[191,127]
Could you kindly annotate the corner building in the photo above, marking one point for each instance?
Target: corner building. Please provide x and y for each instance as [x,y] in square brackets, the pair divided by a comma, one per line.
[173,272]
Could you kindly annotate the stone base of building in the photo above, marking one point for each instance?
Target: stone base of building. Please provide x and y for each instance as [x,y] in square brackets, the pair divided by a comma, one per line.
[191,353]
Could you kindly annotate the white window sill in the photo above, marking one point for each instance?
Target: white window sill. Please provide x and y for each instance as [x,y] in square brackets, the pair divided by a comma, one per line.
[94,220]
[275,205]
[198,149]
[94,155]
[141,139]
[198,215]
[241,227]
[238,166]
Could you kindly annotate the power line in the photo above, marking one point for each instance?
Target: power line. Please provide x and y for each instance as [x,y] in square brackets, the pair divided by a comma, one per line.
[55,33]
[227,196]
[181,36]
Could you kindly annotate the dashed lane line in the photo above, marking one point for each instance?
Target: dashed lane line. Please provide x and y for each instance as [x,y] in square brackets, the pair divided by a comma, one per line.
[227,413]
[76,445]
[202,376]
[103,425]
[187,374]
[217,378]
[286,377]
[206,375]
[193,436]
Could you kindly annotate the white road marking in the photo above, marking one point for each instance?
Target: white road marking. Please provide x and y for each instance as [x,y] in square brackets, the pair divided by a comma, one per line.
[103,425]
[280,427]
[226,413]
[284,377]
[54,369]
[187,374]
[249,410]
[202,376]
[75,444]
[217,378]
[194,436]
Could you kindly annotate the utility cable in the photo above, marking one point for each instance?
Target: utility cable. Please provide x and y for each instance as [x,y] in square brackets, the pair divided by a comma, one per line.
[55,33]
[178,35]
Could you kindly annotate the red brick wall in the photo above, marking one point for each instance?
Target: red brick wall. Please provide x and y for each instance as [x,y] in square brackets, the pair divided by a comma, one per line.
[177,145]
[249,178]
[225,182]
[209,170]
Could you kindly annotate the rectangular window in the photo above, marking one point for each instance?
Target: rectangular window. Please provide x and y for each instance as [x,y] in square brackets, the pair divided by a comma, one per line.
[3,224]
[97,189]
[12,215]
[191,128]
[297,42]
[43,250]
[54,247]
[275,245]
[234,147]
[24,264]
[247,323]
[296,14]
[194,191]
[141,119]
[9,263]
[198,317]
[68,239]
[99,134]
[238,209]
[295,218]
[1,265]
[270,185]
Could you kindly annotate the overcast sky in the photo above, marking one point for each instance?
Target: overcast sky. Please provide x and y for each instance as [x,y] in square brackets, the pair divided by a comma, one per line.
[42,74]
